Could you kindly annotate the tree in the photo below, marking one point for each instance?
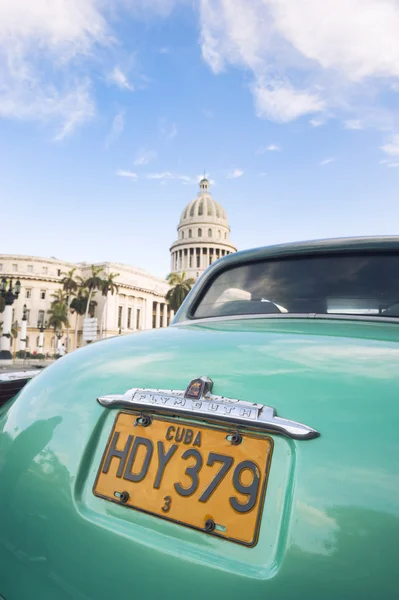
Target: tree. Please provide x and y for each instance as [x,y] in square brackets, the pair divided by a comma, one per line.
[108,287]
[70,287]
[92,283]
[2,304]
[78,305]
[58,314]
[180,287]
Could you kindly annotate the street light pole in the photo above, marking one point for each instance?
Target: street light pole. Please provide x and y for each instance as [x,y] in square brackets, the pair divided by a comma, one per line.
[42,326]
[24,323]
[9,296]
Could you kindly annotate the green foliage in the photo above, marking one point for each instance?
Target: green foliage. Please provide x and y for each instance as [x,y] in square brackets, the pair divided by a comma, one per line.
[180,287]
[108,285]
[58,311]
[69,284]
[2,304]
[79,303]
[94,281]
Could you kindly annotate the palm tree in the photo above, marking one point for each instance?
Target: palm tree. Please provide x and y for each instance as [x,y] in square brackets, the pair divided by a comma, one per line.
[58,314]
[78,305]
[108,287]
[92,283]
[180,287]
[70,286]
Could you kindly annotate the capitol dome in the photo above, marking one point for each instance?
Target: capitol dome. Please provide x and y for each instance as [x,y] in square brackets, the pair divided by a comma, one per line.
[203,206]
[203,234]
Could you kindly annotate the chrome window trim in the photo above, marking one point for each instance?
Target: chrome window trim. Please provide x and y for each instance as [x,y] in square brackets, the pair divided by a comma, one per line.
[302,316]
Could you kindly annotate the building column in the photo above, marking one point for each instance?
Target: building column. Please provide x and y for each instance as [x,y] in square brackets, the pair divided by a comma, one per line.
[5,340]
[41,342]
[147,306]
[165,315]
[124,319]
[134,314]
[22,340]
[158,315]
[171,315]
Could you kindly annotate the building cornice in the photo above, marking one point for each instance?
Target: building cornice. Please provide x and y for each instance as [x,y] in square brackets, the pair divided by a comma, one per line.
[198,242]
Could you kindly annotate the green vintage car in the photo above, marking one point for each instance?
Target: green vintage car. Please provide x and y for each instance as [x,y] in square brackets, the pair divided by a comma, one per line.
[250,450]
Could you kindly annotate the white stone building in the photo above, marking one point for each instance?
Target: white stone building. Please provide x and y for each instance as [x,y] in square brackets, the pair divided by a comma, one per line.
[203,235]
[139,304]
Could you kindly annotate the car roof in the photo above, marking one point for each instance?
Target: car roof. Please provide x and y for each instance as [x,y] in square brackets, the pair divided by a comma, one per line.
[378,243]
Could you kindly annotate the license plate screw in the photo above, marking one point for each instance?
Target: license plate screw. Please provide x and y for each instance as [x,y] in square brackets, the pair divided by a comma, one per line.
[210,525]
[144,421]
[236,439]
[124,497]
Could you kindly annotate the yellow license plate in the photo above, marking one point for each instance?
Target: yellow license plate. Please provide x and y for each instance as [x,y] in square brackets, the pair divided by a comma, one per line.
[202,477]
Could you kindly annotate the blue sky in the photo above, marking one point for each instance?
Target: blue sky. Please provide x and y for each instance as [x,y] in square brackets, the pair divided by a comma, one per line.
[111,109]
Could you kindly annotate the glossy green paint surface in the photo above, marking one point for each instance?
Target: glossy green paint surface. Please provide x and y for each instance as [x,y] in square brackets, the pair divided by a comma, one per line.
[330,525]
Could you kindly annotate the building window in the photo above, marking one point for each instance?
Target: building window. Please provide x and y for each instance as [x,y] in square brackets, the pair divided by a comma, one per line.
[219,234]
[40,319]
[120,312]
[182,235]
[28,293]
[199,232]
[1,267]
[138,319]
[198,261]
[190,261]
[209,232]
[30,268]
[42,294]
[225,236]
[59,272]
[45,270]
[190,233]
[27,319]
[15,268]
[129,318]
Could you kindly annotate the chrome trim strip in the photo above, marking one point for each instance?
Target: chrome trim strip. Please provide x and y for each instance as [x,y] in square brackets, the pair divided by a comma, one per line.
[302,316]
[15,375]
[210,406]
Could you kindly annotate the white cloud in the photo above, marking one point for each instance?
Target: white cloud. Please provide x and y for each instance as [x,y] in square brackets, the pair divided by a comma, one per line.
[344,52]
[235,173]
[280,102]
[168,176]
[270,148]
[37,39]
[118,77]
[353,124]
[168,130]
[145,157]
[326,161]
[317,122]
[122,173]
[118,125]
[392,148]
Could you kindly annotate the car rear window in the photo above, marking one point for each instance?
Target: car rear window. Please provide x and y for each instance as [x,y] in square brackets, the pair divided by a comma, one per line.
[366,284]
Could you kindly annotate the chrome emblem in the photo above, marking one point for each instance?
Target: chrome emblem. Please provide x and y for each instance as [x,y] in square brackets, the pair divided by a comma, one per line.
[198,387]
[198,401]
